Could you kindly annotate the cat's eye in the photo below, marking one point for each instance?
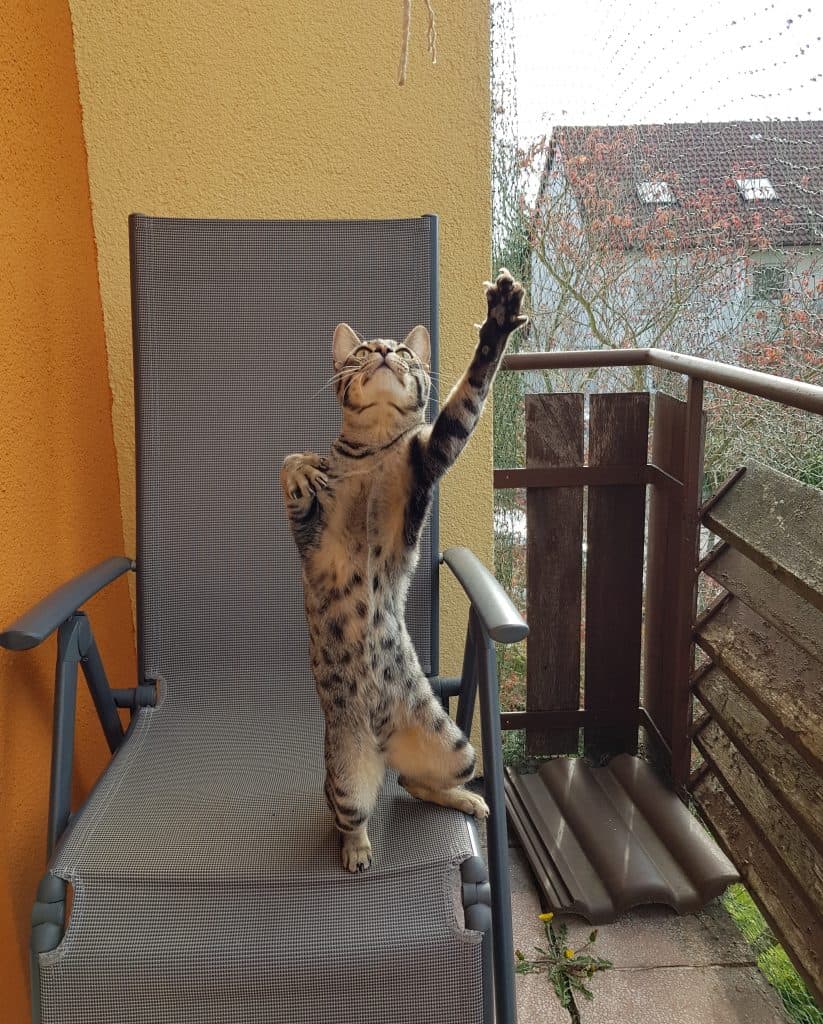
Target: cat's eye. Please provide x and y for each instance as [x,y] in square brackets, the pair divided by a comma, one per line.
[405,354]
[359,354]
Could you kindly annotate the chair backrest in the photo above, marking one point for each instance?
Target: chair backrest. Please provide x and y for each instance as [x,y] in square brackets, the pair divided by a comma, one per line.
[232,325]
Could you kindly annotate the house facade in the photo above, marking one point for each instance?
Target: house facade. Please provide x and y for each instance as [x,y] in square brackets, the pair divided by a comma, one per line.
[700,238]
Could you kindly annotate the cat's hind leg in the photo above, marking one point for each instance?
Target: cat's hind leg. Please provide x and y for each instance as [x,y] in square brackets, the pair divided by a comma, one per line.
[354,773]
[434,759]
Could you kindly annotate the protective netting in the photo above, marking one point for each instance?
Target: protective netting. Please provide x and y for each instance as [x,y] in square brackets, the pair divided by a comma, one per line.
[658,182]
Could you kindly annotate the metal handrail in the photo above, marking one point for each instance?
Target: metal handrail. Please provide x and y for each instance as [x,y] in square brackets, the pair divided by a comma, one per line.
[790,392]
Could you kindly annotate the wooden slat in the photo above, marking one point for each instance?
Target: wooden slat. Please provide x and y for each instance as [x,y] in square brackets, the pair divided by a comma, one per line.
[777,523]
[665,523]
[781,680]
[779,832]
[571,476]
[790,915]
[685,584]
[789,777]
[796,619]
[554,523]
[618,435]
[549,721]
[585,476]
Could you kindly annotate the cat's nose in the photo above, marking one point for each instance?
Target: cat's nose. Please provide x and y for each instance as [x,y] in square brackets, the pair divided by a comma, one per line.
[382,349]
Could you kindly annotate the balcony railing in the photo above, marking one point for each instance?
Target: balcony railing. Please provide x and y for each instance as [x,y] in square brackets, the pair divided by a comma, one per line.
[614,629]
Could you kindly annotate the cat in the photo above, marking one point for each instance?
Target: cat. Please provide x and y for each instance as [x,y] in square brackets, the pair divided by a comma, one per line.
[356,517]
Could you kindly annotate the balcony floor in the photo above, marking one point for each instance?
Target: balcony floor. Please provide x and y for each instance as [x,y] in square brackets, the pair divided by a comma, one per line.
[681,970]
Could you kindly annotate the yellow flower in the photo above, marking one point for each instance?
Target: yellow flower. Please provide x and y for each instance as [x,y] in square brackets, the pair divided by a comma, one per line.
[568,953]
[545,917]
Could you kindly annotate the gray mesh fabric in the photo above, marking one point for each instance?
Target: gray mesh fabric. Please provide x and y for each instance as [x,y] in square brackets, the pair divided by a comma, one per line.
[233,327]
[206,874]
[228,785]
[208,887]
[232,964]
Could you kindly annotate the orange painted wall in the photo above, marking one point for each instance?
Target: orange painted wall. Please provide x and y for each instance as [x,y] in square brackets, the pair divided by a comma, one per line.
[59,492]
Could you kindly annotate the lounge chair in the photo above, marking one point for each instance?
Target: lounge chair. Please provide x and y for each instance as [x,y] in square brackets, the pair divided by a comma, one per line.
[204,869]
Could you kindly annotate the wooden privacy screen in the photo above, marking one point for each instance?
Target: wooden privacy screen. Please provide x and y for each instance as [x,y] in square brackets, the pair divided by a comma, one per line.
[603,620]
[585,569]
[760,786]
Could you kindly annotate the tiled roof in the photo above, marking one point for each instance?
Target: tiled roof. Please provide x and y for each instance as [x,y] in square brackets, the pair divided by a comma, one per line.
[701,163]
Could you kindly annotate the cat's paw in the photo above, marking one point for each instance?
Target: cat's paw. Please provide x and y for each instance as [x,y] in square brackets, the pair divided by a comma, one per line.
[471,803]
[355,852]
[303,475]
[505,298]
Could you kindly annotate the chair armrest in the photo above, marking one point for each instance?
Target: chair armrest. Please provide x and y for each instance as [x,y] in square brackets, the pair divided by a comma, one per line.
[43,619]
[493,606]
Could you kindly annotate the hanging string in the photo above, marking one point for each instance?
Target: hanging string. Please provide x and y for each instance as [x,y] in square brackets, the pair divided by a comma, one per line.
[404,51]
[432,33]
[431,39]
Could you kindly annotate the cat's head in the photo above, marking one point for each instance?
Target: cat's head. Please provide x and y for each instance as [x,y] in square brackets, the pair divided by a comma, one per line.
[382,384]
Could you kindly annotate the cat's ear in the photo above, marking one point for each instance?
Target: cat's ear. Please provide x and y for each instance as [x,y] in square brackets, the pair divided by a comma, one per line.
[343,344]
[418,341]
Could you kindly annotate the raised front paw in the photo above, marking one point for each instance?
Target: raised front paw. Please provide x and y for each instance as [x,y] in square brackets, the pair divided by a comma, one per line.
[505,297]
[303,475]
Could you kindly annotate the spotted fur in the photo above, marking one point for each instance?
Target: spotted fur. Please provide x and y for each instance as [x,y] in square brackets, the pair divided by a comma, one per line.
[356,516]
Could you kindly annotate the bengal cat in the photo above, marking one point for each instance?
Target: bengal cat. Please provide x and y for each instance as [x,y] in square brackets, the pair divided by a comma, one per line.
[356,517]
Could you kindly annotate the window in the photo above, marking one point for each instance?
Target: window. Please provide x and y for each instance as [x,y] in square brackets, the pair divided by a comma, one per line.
[754,189]
[655,192]
[768,284]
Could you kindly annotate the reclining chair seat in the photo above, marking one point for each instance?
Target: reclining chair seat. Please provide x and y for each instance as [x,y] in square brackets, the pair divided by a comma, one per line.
[206,874]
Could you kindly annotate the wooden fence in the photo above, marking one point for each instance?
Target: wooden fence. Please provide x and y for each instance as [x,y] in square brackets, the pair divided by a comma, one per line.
[760,786]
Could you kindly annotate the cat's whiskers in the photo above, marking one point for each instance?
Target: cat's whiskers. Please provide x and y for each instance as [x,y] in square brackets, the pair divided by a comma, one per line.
[347,374]
[436,381]
[344,374]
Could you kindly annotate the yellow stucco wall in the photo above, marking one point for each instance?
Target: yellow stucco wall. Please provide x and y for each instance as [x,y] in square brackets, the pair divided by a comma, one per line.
[291,109]
[59,492]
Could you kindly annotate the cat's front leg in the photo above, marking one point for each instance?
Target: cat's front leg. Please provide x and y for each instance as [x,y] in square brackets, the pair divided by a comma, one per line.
[461,410]
[434,451]
[302,476]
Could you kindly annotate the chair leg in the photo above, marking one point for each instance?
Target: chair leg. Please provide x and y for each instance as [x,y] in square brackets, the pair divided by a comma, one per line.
[497,838]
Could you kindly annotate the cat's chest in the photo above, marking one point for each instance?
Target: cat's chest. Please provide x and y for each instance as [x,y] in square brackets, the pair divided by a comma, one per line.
[363,501]
[347,506]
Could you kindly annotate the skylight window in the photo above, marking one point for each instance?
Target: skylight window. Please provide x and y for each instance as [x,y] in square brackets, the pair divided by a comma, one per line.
[755,189]
[655,192]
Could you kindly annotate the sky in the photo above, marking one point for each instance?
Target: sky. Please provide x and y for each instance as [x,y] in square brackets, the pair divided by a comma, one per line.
[636,61]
